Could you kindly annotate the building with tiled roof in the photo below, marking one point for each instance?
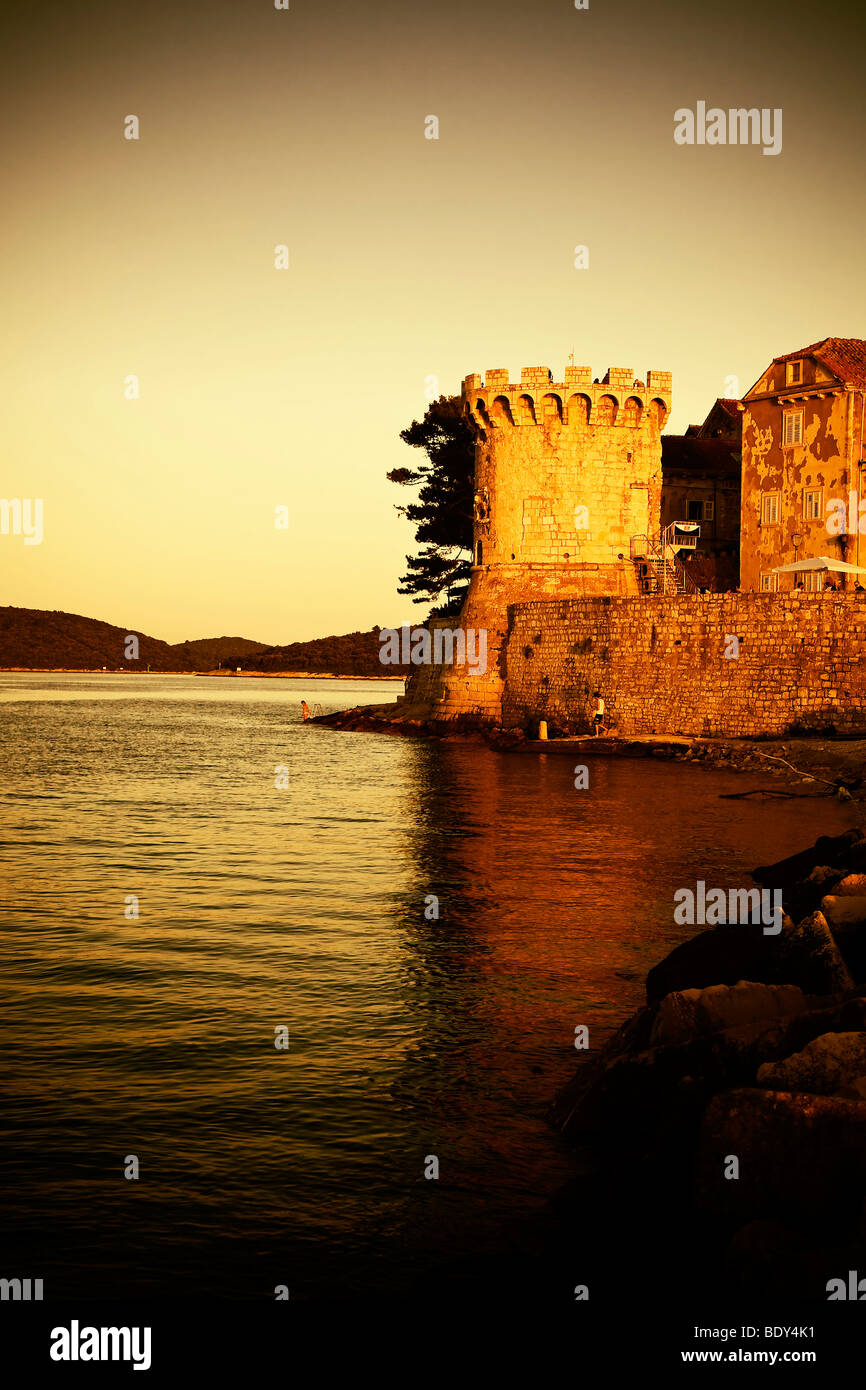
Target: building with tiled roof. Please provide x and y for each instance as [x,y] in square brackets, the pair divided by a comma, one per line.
[725,421]
[844,357]
[803,462]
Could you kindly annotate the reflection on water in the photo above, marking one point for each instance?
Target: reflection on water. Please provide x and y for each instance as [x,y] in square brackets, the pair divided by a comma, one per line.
[410,1035]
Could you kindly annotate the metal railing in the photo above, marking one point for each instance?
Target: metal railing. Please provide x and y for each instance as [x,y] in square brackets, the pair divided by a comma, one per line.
[660,569]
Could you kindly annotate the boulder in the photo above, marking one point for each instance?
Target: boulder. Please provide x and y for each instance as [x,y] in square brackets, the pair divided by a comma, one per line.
[833,850]
[799,1156]
[810,958]
[842,912]
[804,897]
[748,1001]
[687,1013]
[856,858]
[675,1017]
[639,1095]
[846,917]
[823,1066]
[851,886]
[722,955]
[805,955]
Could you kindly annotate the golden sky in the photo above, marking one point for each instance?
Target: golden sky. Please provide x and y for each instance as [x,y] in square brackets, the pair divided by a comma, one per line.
[409,259]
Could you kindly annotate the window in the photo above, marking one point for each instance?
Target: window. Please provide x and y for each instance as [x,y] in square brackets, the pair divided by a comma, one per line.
[813,504]
[795,373]
[813,581]
[770,508]
[769,583]
[792,427]
[699,511]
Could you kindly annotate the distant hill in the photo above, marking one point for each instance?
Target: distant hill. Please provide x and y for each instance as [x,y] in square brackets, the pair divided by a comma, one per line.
[354,654]
[211,652]
[36,639]
[41,640]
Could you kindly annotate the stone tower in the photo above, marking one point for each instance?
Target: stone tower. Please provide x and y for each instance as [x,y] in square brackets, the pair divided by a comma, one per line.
[566,474]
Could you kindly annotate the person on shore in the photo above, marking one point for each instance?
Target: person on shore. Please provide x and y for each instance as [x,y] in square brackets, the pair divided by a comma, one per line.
[305,711]
[597,714]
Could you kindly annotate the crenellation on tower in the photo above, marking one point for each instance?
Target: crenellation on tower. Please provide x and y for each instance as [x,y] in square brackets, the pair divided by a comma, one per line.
[620,378]
[659,383]
[567,476]
[578,376]
[578,399]
[496,378]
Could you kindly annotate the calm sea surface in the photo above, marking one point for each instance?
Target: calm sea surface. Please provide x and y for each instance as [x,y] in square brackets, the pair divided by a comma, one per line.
[304,907]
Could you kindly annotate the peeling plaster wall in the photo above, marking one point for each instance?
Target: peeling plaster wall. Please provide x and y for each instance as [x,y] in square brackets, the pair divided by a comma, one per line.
[826,460]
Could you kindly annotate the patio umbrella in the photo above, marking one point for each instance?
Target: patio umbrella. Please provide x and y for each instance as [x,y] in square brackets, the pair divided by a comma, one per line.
[820,562]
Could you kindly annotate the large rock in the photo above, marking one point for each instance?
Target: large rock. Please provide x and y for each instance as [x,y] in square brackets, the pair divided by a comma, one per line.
[851,886]
[722,955]
[805,955]
[834,850]
[685,1014]
[810,958]
[826,1064]
[843,912]
[798,1155]
[856,858]
[654,1095]
[805,897]
[846,918]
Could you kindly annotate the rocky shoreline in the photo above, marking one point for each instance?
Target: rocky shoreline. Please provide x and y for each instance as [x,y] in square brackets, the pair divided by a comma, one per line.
[735,1099]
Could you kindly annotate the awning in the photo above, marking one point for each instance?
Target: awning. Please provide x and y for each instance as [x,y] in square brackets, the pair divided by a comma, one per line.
[820,562]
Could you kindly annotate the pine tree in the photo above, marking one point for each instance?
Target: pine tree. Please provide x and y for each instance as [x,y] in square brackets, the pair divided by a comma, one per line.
[444,509]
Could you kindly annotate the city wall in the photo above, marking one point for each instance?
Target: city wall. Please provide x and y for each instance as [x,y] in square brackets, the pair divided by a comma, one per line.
[660,664]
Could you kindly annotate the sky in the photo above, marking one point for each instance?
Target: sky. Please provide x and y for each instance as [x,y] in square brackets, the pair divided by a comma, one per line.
[412,262]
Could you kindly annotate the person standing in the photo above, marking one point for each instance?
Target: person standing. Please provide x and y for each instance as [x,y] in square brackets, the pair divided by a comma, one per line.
[597,714]
[305,711]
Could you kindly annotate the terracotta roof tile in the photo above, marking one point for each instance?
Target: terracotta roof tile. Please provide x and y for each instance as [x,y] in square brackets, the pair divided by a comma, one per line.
[845,357]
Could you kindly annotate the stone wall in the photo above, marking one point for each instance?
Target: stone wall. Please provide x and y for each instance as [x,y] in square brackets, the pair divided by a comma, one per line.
[660,664]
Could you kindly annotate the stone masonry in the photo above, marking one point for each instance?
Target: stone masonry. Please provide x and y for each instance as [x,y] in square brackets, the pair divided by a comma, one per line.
[566,473]
[661,667]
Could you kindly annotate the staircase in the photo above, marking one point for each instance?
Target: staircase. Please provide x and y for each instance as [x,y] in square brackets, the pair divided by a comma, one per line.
[657,563]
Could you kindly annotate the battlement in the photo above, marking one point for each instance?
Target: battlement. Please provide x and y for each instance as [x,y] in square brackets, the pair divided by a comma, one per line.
[619,397]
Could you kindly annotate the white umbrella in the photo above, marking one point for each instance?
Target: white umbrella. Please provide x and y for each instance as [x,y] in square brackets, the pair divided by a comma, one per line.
[820,562]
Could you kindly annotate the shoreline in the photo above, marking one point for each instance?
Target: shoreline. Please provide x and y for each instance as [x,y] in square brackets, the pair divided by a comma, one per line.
[232,675]
[821,764]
